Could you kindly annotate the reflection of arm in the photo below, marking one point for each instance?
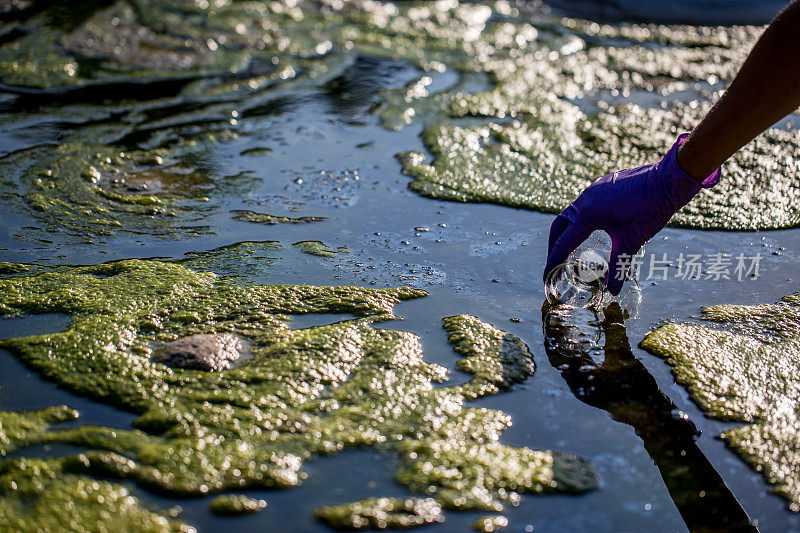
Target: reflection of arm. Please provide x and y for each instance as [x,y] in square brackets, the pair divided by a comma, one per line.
[766,89]
[623,387]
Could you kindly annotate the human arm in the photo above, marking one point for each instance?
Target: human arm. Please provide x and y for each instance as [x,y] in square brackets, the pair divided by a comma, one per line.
[633,205]
[766,89]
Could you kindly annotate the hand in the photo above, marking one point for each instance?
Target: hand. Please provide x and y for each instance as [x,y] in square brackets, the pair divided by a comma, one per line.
[630,205]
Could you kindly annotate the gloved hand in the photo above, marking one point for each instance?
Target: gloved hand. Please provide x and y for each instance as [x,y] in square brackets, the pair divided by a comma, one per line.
[630,205]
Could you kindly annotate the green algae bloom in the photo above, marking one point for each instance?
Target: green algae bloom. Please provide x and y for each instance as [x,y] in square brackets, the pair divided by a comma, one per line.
[46,495]
[382,513]
[11,268]
[532,118]
[497,359]
[84,189]
[19,429]
[55,494]
[303,393]
[747,372]
[319,248]
[231,504]
[234,261]
[555,146]
[265,218]
[490,524]
[464,465]
[415,103]
[473,475]
[537,168]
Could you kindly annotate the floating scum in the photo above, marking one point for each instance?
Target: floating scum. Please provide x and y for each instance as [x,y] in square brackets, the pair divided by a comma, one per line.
[546,123]
[542,130]
[302,394]
[746,373]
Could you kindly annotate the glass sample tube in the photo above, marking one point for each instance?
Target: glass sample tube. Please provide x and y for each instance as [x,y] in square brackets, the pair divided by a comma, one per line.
[581,280]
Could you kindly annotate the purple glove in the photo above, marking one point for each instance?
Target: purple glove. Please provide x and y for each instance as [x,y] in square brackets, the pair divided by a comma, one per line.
[630,205]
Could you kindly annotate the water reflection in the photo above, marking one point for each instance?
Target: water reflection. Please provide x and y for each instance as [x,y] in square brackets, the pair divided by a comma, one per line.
[593,354]
[355,91]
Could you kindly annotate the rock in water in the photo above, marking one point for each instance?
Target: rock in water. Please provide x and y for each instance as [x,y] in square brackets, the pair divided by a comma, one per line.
[212,353]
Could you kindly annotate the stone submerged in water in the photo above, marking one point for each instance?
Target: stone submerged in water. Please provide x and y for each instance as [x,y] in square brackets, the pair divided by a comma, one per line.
[212,353]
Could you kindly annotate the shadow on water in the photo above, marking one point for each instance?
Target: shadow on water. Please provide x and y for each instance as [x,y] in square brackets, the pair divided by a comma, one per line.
[355,92]
[708,12]
[609,377]
[67,15]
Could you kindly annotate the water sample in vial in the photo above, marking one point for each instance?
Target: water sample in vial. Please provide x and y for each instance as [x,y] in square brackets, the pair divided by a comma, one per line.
[580,280]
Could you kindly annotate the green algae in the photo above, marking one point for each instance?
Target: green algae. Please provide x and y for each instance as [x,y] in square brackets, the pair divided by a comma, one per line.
[497,359]
[415,103]
[465,465]
[319,248]
[7,268]
[490,524]
[746,373]
[92,189]
[675,35]
[544,168]
[49,494]
[555,149]
[34,60]
[265,218]
[234,261]
[742,200]
[471,165]
[480,476]
[544,159]
[304,392]
[382,513]
[552,75]
[128,41]
[20,429]
[44,495]
[231,504]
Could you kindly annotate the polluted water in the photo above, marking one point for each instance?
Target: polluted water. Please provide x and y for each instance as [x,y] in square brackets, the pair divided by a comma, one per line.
[282,260]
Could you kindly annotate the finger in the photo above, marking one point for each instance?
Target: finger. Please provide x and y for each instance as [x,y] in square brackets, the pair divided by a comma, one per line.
[565,244]
[622,255]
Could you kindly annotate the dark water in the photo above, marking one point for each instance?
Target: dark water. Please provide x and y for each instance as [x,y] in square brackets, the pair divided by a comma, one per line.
[708,12]
[484,260]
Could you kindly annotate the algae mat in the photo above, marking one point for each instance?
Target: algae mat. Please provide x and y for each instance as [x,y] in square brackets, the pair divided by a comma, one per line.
[748,373]
[303,393]
[193,75]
